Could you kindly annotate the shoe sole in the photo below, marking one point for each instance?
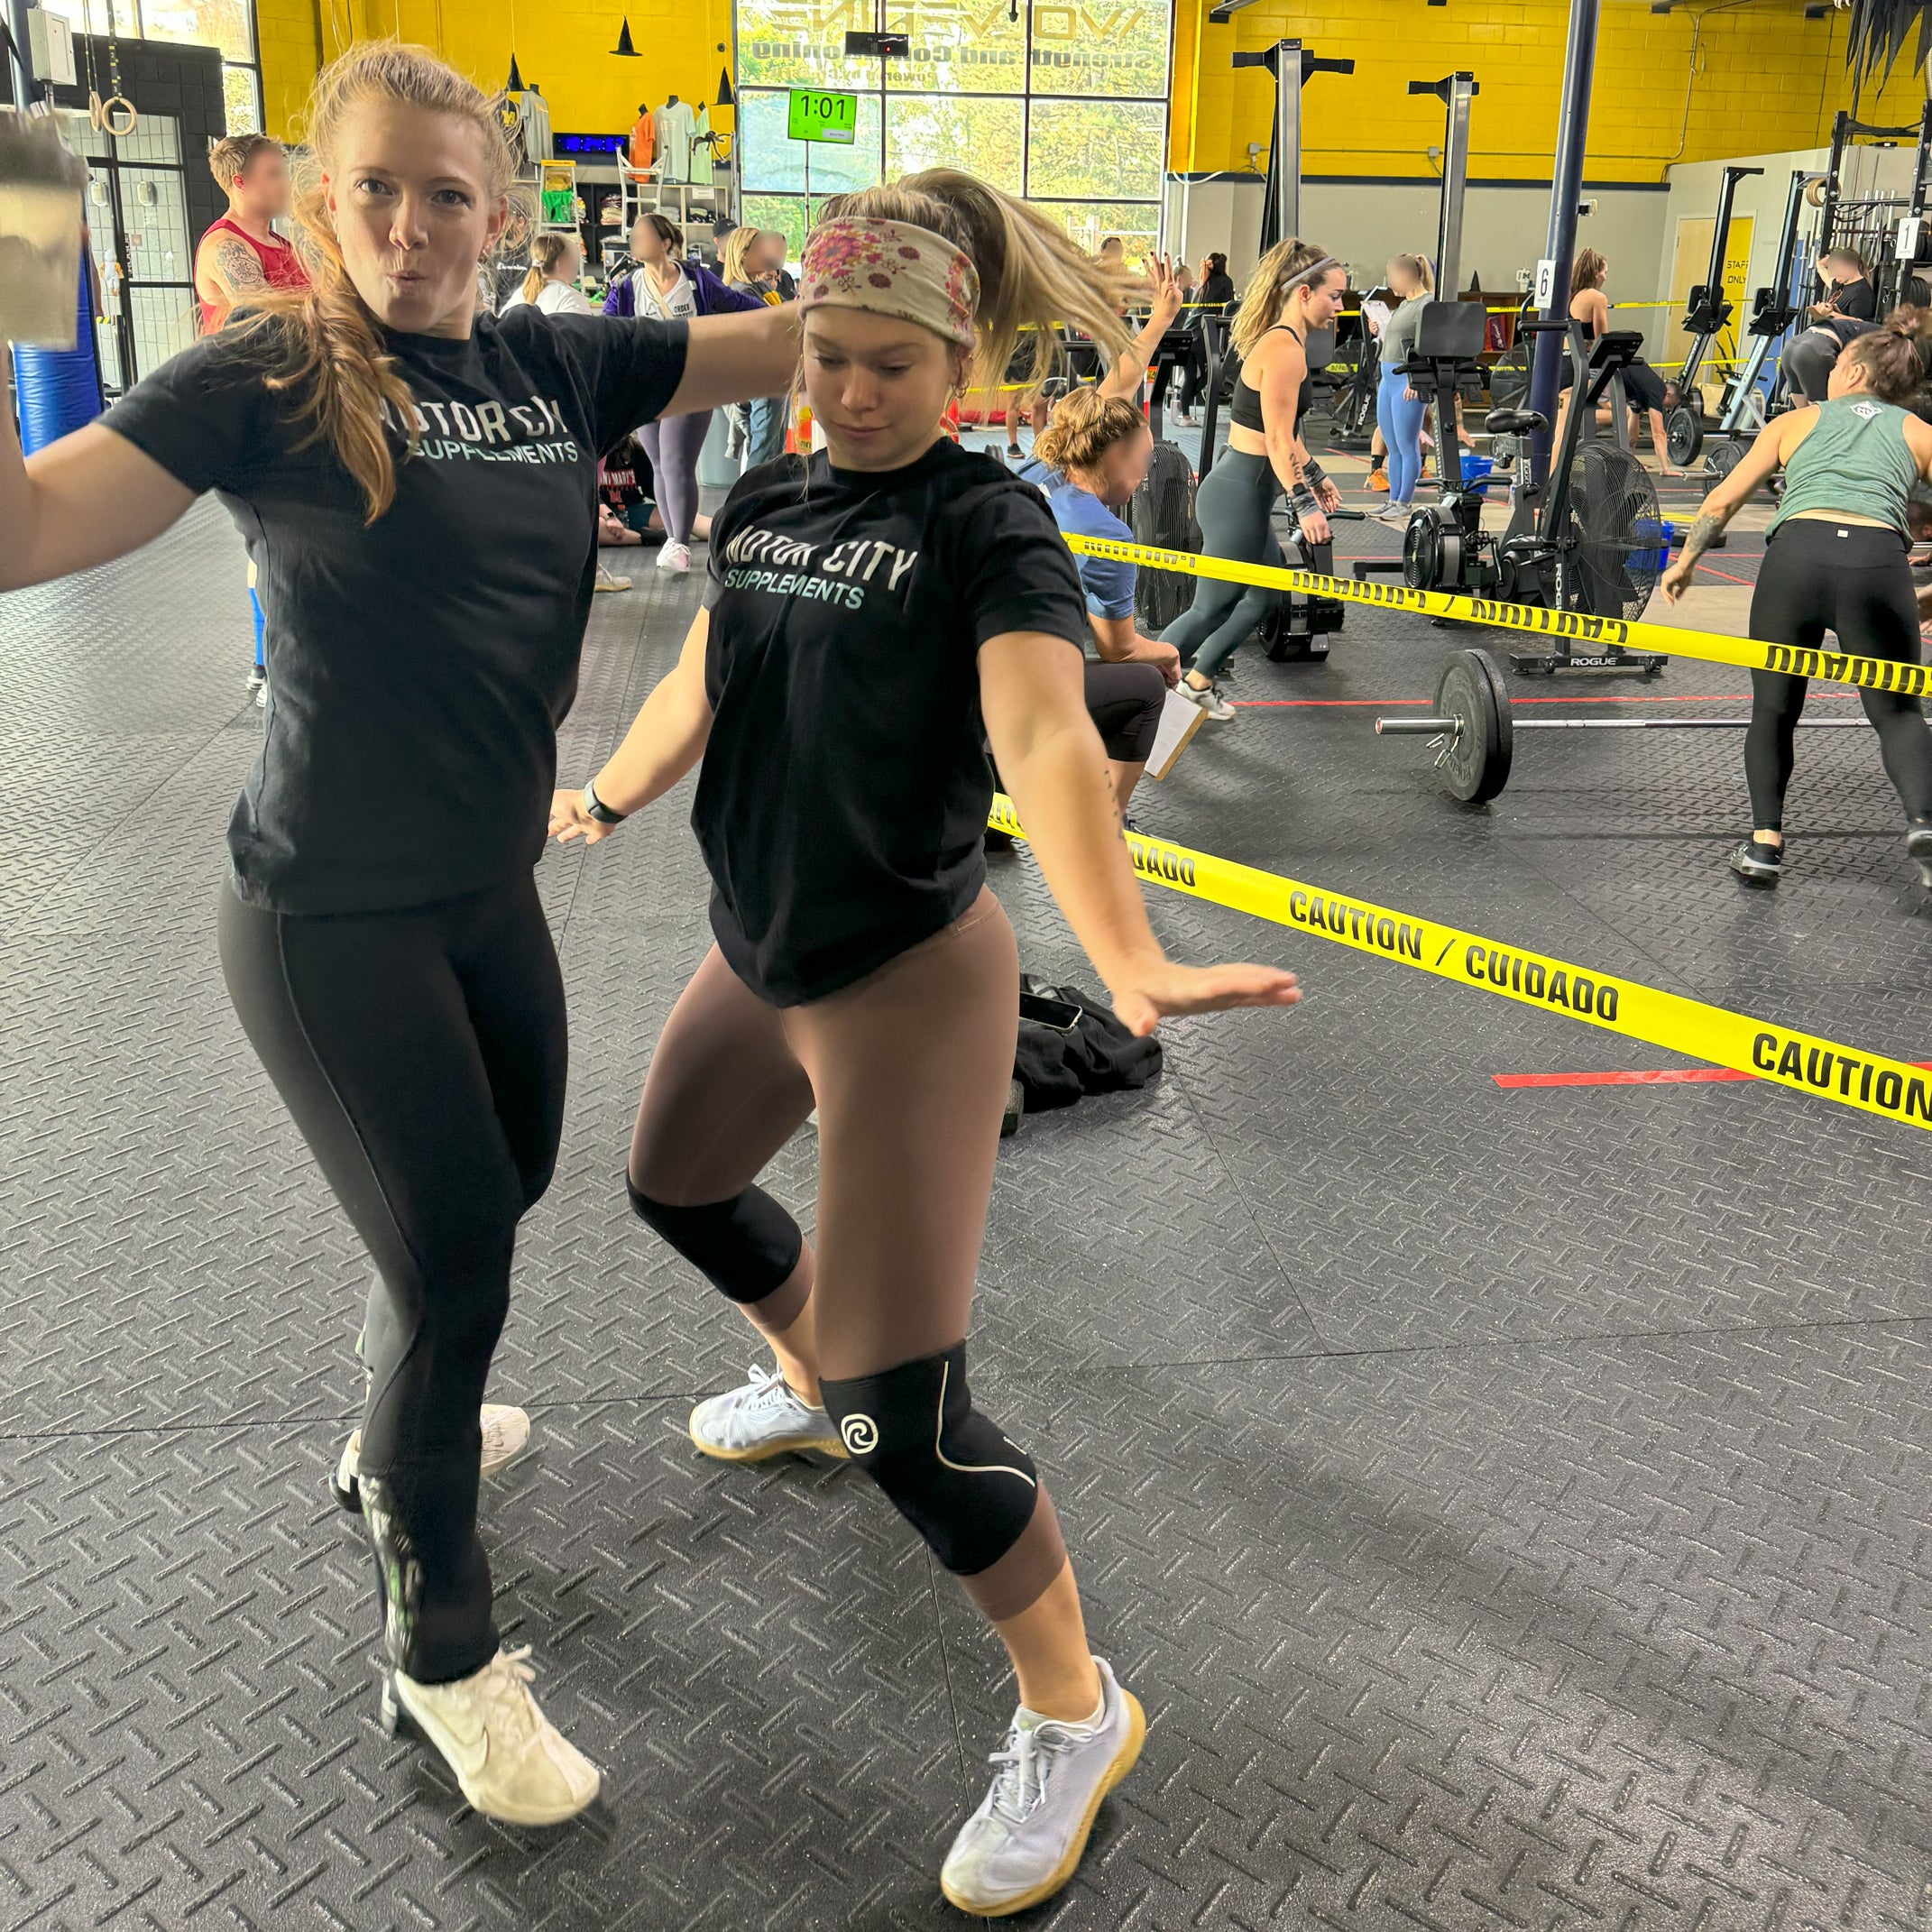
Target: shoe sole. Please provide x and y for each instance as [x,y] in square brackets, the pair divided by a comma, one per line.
[765,1451]
[399,1721]
[1125,1759]
[1768,877]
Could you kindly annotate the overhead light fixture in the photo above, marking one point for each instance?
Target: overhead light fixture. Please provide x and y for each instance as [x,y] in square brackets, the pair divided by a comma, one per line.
[1224,11]
[624,46]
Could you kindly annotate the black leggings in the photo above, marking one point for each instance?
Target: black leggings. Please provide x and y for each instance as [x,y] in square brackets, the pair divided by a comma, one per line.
[1125,701]
[422,1055]
[1851,579]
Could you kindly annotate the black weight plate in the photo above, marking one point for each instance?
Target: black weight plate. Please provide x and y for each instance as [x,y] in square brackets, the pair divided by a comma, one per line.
[1502,750]
[1722,459]
[1684,434]
[1475,766]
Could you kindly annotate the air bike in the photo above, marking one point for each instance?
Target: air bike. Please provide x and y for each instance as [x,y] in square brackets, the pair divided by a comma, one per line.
[1590,539]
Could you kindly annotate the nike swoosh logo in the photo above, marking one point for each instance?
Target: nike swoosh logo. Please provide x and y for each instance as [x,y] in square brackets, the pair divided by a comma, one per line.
[467,1755]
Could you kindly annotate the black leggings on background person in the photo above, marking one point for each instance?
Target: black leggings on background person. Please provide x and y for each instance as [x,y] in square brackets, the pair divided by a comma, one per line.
[1853,580]
[1125,701]
[422,1054]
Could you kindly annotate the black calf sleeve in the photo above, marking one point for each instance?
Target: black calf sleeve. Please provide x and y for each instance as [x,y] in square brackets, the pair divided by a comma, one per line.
[745,1246]
[948,1470]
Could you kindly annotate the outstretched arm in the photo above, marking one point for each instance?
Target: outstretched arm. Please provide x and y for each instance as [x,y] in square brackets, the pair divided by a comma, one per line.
[84,500]
[1050,759]
[1131,369]
[665,741]
[1725,501]
[735,357]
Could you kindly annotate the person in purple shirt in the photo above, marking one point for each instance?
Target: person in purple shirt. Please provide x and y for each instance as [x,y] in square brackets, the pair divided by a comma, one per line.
[664,286]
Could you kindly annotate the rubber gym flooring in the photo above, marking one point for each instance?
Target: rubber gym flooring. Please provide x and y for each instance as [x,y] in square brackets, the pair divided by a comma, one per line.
[1512,1504]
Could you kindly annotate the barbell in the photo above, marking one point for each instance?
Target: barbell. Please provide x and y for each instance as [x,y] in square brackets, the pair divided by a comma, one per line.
[1472,717]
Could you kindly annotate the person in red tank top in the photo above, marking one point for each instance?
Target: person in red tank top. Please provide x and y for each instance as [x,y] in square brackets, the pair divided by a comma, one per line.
[241,253]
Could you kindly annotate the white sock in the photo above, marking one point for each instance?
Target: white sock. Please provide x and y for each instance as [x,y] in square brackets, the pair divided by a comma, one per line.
[1030,1718]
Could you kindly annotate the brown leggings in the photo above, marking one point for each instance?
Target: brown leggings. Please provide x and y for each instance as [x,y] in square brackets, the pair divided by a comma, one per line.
[909,1069]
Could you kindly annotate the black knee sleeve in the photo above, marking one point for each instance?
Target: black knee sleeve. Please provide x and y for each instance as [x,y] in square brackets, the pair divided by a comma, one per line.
[745,1246]
[949,1471]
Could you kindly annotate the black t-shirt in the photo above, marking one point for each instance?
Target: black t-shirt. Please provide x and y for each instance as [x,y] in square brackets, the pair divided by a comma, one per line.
[1858,298]
[417,667]
[843,798]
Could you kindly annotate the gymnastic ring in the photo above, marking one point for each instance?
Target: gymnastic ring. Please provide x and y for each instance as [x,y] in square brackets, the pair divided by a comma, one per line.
[1815,191]
[107,117]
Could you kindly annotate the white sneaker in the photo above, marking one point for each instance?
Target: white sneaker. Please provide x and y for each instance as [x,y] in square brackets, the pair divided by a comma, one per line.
[609,579]
[676,557]
[762,1419]
[1210,699]
[1026,1840]
[506,1432]
[511,1761]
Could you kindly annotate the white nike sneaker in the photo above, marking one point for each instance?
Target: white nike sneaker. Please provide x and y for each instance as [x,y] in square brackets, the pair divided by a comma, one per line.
[510,1761]
[675,558]
[760,1419]
[1026,1840]
[506,1432]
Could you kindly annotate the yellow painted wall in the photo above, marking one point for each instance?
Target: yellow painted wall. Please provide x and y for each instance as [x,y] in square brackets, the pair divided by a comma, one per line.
[1766,79]
[565,46]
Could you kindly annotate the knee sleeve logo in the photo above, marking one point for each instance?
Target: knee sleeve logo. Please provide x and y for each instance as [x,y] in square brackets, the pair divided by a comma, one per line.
[861,1433]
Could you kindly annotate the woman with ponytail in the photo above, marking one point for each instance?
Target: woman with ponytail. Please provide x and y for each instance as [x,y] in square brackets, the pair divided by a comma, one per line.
[1295,287]
[1399,404]
[873,617]
[418,487]
[556,261]
[1835,560]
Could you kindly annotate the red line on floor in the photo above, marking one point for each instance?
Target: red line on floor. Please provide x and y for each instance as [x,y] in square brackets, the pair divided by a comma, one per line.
[1708,697]
[1640,1077]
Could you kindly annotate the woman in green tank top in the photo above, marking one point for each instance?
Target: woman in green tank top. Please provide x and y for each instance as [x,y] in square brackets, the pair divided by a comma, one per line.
[1835,560]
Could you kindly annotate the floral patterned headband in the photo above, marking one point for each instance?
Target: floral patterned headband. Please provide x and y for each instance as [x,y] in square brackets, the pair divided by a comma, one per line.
[893,269]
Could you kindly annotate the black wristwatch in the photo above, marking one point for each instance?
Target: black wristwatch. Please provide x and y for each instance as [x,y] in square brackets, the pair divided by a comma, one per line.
[597,809]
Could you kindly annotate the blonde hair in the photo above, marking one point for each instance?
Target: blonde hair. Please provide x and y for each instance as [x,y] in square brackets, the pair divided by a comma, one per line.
[1891,355]
[738,245]
[1084,425]
[234,154]
[546,251]
[1418,266]
[1032,276]
[334,356]
[1283,269]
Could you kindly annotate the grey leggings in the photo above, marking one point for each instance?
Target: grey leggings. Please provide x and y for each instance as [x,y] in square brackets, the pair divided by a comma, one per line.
[1235,508]
[909,1069]
[673,444]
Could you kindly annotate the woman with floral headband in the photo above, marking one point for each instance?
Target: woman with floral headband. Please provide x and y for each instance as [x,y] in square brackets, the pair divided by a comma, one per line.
[872,618]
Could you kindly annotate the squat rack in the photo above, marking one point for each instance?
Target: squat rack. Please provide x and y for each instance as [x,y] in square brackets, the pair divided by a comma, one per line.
[1887,231]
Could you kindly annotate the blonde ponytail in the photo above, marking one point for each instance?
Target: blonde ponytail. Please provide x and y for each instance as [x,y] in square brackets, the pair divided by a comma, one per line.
[1287,266]
[1032,278]
[333,355]
[546,251]
[1418,266]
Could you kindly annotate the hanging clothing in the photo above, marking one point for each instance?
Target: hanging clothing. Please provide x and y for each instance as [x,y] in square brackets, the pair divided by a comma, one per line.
[676,124]
[533,114]
[644,141]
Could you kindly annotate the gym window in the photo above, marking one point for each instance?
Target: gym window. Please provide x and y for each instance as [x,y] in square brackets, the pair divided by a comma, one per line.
[1065,105]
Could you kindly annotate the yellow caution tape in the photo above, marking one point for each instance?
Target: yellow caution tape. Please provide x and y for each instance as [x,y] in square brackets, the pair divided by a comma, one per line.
[1874,1083]
[1608,633]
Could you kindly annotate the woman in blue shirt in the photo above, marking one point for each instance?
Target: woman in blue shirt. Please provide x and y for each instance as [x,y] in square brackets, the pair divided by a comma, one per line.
[1090,460]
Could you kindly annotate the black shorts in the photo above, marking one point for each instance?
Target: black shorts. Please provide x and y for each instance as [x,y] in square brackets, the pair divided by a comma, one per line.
[1642,386]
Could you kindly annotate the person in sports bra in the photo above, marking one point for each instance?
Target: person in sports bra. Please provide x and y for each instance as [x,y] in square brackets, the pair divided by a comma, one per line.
[1835,560]
[1295,287]
[1647,393]
[241,254]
